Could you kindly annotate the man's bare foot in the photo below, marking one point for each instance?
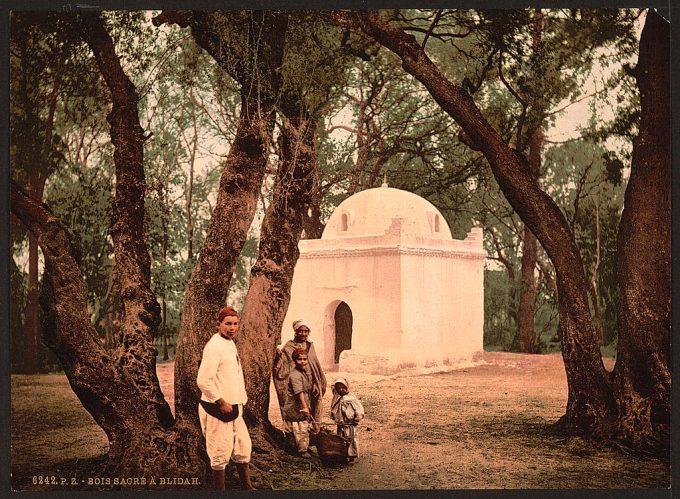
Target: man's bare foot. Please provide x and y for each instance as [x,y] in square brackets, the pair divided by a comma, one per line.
[305,454]
[352,460]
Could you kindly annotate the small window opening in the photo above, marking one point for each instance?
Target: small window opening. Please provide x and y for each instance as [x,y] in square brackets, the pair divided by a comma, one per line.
[345,222]
[436,223]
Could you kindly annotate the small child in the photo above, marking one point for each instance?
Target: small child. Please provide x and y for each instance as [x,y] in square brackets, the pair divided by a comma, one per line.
[347,411]
[296,411]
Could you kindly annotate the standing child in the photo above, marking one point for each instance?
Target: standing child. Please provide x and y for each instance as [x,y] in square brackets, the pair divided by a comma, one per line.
[223,395]
[347,411]
[296,411]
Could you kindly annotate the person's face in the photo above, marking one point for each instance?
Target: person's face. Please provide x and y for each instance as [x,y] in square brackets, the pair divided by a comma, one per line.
[301,334]
[341,389]
[229,327]
[301,362]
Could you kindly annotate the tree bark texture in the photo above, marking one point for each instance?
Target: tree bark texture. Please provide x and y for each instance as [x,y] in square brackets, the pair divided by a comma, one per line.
[529,288]
[590,401]
[117,401]
[313,227]
[594,289]
[141,312]
[272,275]
[258,74]
[642,372]
[119,389]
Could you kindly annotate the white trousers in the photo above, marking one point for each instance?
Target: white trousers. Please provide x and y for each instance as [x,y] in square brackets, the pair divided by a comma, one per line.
[224,441]
[300,430]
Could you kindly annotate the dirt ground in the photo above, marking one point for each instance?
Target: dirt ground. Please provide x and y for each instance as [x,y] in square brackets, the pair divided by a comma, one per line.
[485,426]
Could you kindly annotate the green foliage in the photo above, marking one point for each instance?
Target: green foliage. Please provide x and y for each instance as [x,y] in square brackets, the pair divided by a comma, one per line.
[587,183]
[191,111]
[500,311]
[37,65]
[520,65]
[315,66]
[82,199]
[396,131]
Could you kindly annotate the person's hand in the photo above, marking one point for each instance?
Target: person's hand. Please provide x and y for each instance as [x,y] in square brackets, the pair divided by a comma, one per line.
[305,410]
[224,407]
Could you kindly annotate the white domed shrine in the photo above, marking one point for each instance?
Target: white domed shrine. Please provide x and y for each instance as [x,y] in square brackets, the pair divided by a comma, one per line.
[387,288]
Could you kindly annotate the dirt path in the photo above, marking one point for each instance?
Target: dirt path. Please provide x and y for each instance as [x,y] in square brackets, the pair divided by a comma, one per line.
[485,426]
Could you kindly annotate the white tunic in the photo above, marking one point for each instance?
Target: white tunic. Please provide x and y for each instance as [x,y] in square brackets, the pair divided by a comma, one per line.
[220,375]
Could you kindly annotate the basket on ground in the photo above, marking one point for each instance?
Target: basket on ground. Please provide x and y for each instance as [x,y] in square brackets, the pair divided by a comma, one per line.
[332,448]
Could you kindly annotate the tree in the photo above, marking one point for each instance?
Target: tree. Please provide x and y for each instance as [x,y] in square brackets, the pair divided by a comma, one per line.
[592,402]
[130,406]
[272,274]
[642,378]
[249,47]
[282,77]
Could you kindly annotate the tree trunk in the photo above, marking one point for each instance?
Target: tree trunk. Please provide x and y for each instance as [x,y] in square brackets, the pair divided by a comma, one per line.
[164,328]
[312,225]
[529,287]
[271,277]
[121,405]
[112,307]
[129,406]
[363,151]
[590,402]
[165,217]
[141,312]
[39,161]
[231,218]
[642,373]
[594,290]
[527,294]
[239,184]
[190,183]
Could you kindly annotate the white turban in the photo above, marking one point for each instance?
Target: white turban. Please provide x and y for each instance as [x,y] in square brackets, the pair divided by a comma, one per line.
[299,323]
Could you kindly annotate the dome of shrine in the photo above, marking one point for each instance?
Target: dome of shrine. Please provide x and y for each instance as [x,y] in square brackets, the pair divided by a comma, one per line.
[371,212]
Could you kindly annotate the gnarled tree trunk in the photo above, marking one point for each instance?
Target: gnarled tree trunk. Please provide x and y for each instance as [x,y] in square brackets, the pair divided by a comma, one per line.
[272,275]
[258,72]
[141,312]
[642,373]
[120,388]
[116,394]
[231,218]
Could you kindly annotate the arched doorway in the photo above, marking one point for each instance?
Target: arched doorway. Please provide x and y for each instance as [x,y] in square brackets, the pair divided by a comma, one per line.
[343,330]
